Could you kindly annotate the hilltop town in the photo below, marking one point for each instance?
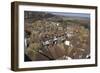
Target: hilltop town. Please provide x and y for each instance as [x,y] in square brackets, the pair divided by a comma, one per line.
[55,37]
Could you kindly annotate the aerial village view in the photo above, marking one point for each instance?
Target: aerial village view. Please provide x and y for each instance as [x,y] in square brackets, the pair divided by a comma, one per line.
[56,36]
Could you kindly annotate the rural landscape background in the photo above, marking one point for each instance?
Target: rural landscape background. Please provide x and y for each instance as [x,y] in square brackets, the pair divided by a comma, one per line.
[56,36]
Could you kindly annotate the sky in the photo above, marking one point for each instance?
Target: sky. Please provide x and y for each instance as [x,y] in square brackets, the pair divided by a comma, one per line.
[72,14]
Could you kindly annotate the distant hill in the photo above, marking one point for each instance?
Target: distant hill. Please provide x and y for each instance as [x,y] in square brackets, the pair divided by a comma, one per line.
[31,16]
